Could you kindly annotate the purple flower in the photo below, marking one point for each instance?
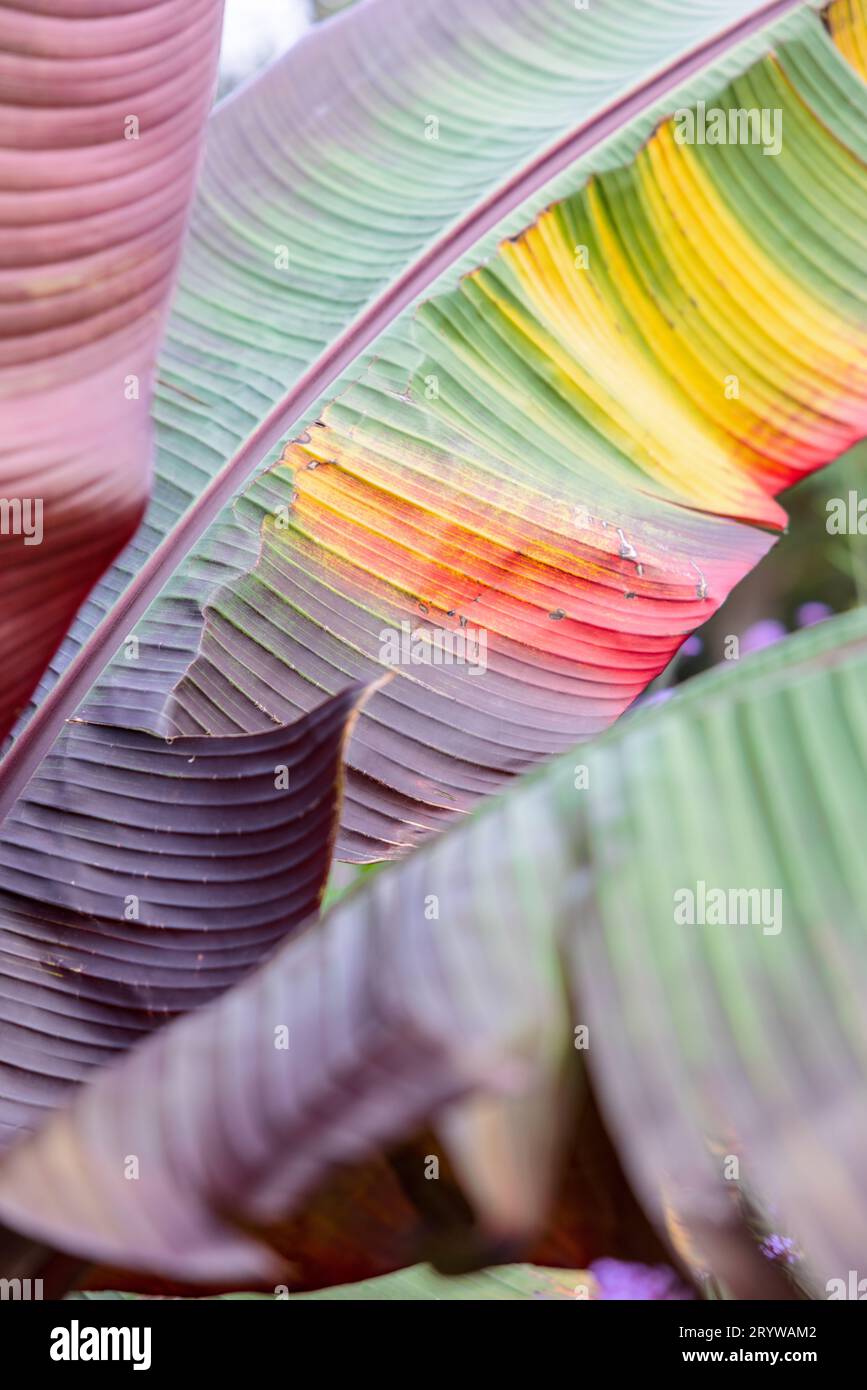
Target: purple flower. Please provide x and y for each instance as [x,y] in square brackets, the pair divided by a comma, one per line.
[782,1248]
[812,612]
[619,1280]
[693,646]
[761,634]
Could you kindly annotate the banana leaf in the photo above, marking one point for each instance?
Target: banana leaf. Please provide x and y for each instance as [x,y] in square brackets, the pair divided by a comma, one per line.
[470,988]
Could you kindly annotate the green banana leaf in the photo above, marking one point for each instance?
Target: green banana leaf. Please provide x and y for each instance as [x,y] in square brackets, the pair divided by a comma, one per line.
[568,455]
[469,986]
[371,215]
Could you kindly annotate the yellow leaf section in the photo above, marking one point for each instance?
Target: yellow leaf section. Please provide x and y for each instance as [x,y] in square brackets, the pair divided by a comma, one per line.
[847,21]
[627,398]
[656,353]
[649,363]
[718,374]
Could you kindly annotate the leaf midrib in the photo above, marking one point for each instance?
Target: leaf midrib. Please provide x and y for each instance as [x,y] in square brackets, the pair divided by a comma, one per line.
[36,739]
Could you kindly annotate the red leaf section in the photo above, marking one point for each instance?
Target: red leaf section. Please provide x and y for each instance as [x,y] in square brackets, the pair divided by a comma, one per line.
[102,105]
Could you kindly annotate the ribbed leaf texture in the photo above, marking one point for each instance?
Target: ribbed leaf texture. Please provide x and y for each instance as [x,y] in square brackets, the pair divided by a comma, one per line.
[685,401]
[581,467]
[183,864]
[584,465]
[103,108]
[556,468]
[449,990]
[324,208]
